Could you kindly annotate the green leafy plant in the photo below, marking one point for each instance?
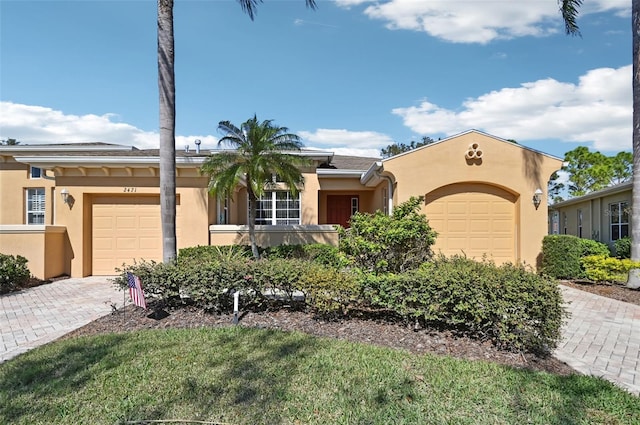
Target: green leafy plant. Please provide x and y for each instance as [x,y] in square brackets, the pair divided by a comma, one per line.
[591,247]
[508,304]
[382,243]
[328,290]
[14,272]
[561,257]
[600,268]
[623,247]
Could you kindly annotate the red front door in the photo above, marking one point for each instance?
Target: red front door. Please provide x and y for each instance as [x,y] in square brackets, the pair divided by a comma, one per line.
[340,208]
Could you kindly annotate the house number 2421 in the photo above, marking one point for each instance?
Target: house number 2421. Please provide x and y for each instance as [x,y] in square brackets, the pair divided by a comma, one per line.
[129,189]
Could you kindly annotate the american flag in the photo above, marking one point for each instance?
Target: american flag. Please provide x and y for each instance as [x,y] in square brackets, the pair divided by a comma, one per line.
[135,290]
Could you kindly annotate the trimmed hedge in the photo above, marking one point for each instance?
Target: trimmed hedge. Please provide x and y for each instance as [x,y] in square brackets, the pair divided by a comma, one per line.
[512,306]
[509,305]
[561,255]
[14,272]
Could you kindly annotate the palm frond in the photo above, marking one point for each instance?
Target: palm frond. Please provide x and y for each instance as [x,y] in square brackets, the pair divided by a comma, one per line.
[569,11]
[250,6]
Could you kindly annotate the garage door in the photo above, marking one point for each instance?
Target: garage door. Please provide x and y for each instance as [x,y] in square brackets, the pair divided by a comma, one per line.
[473,219]
[123,229]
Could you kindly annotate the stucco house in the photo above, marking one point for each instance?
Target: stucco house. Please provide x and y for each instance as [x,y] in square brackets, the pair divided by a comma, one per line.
[603,215]
[84,209]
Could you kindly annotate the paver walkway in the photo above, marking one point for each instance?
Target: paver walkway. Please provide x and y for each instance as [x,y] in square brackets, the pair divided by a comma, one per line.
[602,338]
[39,315]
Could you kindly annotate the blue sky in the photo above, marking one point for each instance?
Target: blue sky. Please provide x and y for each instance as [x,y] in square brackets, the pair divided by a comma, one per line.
[350,77]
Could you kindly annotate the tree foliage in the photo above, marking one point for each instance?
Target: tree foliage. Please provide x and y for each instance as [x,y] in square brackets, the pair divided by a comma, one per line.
[590,171]
[261,150]
[9,142]
[382,243]
[398,148]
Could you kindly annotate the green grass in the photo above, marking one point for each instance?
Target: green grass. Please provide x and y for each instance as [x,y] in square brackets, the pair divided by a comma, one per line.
[247,376]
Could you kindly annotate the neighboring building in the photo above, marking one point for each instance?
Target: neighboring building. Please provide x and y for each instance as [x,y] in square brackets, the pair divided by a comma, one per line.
[603,215]
[85,209]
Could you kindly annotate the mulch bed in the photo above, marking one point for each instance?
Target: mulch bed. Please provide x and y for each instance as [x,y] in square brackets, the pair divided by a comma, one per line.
[365,330]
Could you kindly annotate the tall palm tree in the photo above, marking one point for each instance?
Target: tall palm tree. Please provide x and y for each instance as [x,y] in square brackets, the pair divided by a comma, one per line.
[569,10]
[167,87]
[261,150]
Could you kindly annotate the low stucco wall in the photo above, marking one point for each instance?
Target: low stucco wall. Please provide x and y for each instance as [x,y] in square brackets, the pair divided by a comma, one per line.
[45,247]
[273,235]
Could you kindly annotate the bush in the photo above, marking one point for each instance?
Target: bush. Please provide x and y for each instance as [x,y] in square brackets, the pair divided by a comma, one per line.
[328,290]
[623,247]
[14,272]
[509,305]
[600,268]
[381,243]
[561,256]
[279,276]
[160,280]
[591,247]
[206,253]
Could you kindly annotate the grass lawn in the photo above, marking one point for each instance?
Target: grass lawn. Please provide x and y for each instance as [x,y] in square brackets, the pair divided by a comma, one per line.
[248,376]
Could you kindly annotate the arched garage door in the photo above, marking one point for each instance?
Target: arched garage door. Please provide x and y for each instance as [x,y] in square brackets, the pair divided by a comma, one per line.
[474,219]
[125,228]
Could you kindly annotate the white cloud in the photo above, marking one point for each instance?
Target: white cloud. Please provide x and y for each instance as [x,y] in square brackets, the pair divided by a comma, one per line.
[41,125]
[477,21]
[345,142]
[597,110]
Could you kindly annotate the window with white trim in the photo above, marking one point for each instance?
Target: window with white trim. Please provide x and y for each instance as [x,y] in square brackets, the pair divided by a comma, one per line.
[35,205]
[278,207]
[619,220]
[35,172]
[355,205]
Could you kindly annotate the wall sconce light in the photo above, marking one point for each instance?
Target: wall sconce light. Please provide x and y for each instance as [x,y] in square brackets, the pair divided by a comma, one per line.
[537,198]
[64,193]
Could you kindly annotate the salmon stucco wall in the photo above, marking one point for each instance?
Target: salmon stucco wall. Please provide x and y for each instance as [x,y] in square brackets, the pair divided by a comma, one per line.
[477,158]
[192,218]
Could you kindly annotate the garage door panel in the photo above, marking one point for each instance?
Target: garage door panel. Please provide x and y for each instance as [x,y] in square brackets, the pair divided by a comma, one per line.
[125,229]
[473,219]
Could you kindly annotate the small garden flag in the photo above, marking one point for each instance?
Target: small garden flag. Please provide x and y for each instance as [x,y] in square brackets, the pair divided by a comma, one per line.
[135,290]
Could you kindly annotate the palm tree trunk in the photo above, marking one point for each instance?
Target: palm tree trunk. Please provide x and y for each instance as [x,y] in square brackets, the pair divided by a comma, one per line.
[252,222]
[634,275]
[167,89]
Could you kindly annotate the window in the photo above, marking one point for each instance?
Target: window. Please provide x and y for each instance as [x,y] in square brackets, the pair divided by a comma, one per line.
[564,222]
[555,223]
[619,220]
[354,205]
[35,172]
[579,223]
[278,207]
[35,206]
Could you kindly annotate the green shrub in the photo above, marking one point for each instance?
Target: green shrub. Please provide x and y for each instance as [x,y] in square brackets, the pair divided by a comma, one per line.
[14,272]
[206,253]
[327,255]
[159,280]
[600,268]
[283,251]
[279,276]
[328,290]
[591,247]
[509,305]
[381,243]
[561,257]
[623,247]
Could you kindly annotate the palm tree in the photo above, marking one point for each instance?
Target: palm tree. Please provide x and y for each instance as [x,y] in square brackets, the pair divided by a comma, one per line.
[261,151]
[167,88]
[569,10]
